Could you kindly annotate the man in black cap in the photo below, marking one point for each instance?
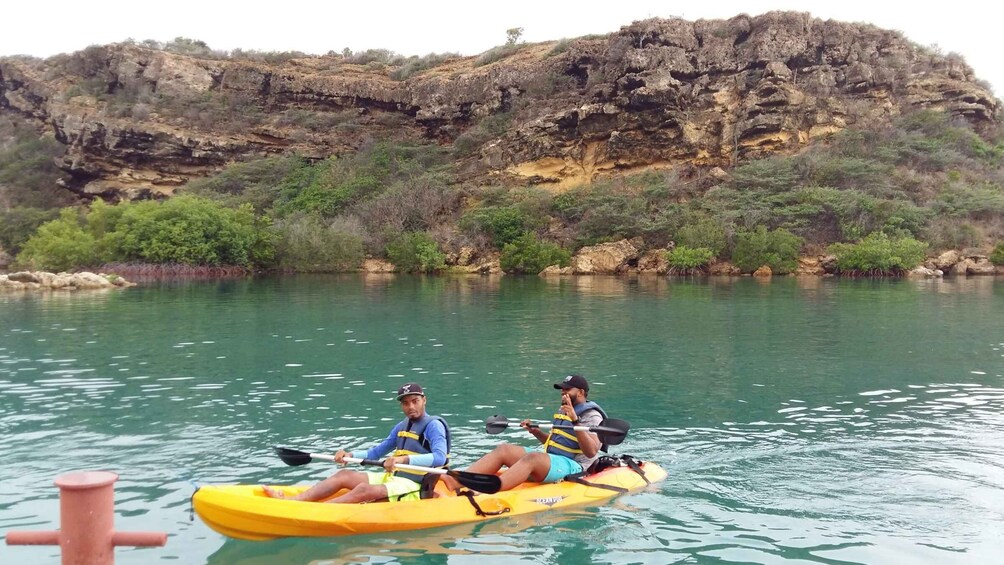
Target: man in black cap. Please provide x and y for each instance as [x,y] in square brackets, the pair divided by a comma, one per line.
[566,451]
[419,439]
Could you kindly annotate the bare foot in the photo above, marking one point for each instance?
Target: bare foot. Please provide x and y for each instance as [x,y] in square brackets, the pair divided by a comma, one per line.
[273,493]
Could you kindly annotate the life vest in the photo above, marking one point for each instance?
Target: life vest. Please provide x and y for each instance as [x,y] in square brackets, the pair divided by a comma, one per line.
[563,441]
[411,441]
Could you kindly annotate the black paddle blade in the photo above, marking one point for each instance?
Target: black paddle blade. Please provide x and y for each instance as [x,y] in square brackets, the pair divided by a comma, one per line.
[612,431]
[292,456]
[496,424]
[481,482]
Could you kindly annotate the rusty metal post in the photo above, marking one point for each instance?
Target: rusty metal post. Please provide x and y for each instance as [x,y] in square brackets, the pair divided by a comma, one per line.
[87,533]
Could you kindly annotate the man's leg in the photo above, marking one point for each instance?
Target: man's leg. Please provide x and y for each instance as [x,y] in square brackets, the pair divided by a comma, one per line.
[362,493]
[505,455]
[329,486]
[532,466]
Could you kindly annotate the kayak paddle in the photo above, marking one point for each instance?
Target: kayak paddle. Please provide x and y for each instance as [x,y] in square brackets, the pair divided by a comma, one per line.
[481,482]
[611,431]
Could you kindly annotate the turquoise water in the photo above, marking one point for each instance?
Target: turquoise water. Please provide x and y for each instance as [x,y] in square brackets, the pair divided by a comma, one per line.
[801,420]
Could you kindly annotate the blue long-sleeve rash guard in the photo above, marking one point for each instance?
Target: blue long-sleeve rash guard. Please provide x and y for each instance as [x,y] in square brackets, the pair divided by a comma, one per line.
[434,433]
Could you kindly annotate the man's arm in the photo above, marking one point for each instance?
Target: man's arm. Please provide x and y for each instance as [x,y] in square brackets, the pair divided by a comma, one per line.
[588,441]
[385,446]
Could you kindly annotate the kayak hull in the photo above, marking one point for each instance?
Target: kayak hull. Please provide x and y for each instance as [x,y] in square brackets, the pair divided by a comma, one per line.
[245,512]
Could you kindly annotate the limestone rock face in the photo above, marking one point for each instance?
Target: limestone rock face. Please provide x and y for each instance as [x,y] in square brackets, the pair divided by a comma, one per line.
[724,268]
[139,122]
[946,260]
[603,259]
[810,266]
[981,267]
[40,280]
[371,265]
[654,261]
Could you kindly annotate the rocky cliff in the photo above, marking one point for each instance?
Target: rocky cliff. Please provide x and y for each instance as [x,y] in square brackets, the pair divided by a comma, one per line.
[139,122]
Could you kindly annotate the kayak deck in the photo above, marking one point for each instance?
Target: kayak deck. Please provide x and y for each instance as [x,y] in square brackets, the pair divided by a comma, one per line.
[245,512]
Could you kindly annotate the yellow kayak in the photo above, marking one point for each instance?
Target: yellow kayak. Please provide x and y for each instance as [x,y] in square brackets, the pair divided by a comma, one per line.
[244,512]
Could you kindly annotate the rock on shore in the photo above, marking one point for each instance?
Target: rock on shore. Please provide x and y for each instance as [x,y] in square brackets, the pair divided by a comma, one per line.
[38,280]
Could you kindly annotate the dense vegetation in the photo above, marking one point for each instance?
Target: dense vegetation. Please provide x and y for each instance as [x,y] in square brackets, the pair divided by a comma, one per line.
[182,230]
[29,193]
[884,196]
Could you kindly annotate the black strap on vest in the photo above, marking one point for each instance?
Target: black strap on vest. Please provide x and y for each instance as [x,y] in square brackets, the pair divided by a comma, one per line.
[477,507]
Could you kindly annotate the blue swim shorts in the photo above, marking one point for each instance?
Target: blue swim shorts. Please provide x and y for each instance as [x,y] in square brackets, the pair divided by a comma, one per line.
[561,466]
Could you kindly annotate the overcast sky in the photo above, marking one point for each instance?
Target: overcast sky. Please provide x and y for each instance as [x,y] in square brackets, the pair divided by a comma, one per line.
[418,27]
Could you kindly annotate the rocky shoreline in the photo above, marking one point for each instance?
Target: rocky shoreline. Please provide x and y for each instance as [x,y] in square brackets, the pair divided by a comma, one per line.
[624,257]
[615,258]
[39,280]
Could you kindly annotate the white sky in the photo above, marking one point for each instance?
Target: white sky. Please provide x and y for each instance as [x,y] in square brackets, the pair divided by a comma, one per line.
[418,27]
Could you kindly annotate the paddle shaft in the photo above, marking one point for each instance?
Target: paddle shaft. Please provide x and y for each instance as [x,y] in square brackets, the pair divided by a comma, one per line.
[576,428]
[375,463]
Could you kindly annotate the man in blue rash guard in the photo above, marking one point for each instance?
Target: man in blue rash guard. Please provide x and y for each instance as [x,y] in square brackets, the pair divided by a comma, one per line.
[419,439]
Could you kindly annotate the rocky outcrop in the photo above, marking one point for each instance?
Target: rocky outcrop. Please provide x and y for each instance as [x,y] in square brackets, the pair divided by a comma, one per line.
[659,93]
[924,272]
[962,263]
[371,265]
[37,280]
[604,259]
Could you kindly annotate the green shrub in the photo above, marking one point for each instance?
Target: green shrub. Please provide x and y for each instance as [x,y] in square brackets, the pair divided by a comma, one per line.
[190,231]
[307,243]
[419,204]
[283,186]
[953,233]
[997,255]
[686,260]
[771,175]
[183,230]
[526,254]
[60,245]
[603,212]
[18,224]
[416,252]
[977,202]
[28,176]
[503,224]
[707,234]
[878,254]
[777,249]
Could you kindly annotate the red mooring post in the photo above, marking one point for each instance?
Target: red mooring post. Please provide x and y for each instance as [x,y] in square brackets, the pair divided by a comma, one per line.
[87,533]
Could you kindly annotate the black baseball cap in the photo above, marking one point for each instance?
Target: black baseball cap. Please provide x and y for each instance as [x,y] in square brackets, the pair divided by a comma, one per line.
[408,389]
[573,381]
